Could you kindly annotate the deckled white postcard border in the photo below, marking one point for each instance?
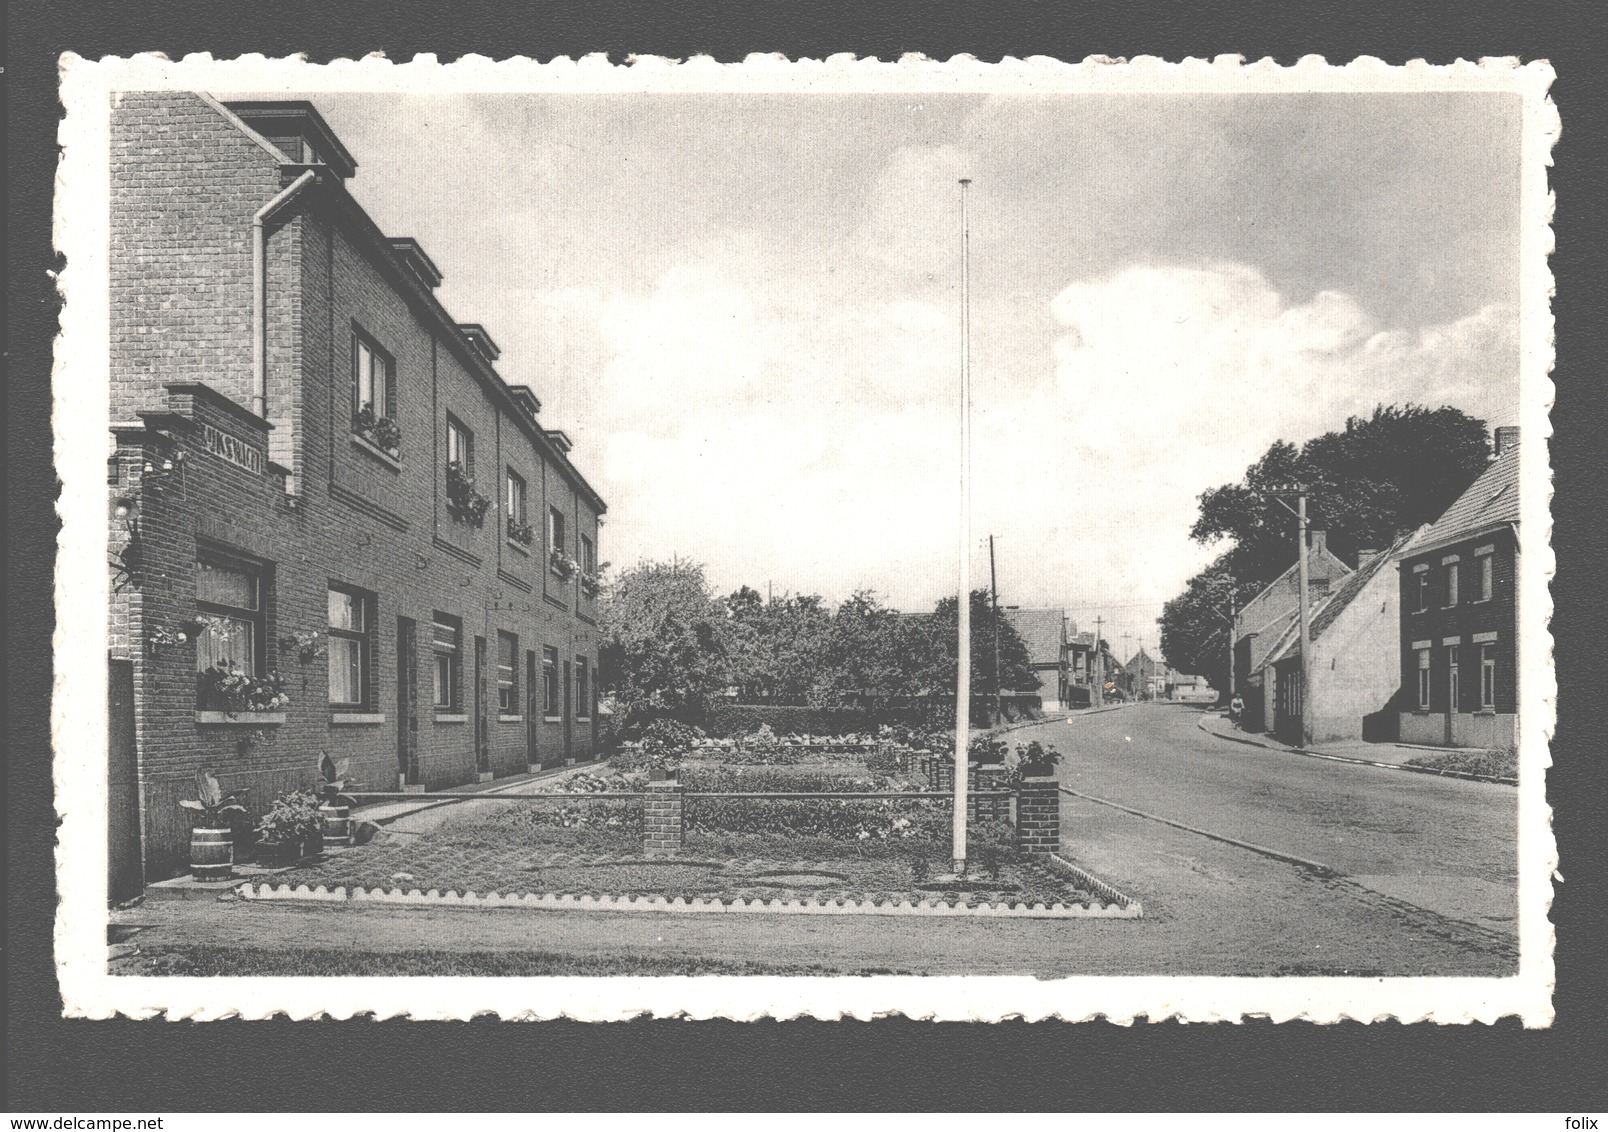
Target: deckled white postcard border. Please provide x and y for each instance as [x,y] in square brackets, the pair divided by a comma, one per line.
[79,709]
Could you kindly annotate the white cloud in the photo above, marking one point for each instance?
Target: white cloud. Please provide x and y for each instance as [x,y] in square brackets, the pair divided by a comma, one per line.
[784,433]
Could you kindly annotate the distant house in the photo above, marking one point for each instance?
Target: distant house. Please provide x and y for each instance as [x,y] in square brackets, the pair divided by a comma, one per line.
[1188,688]
[1266,618]
[1459,615]
[1146,676]
[1079,666]
[1352,677]
[1043,631]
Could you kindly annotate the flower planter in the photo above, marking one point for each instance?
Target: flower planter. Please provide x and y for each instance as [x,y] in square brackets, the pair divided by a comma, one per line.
[212,853]
[337,819]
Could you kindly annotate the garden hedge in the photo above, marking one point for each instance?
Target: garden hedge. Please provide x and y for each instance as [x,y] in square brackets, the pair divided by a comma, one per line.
[725,720]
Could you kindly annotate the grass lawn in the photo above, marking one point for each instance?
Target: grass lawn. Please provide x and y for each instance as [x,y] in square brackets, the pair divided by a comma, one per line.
[205,960]
[1494,764]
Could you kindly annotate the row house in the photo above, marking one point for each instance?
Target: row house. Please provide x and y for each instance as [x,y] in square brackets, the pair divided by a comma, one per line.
[1269,617]
[1351,678]
[333,526]
[1459,615]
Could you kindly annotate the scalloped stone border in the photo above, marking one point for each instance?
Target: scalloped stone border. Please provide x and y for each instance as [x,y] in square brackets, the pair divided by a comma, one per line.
[1119,909]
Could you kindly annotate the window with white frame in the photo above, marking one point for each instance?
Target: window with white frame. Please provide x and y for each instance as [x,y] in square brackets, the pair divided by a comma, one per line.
[447,644]
[550,689]
[507,673]
[350,617]
[1454,687]
[1486,577]
[373,378]
[1423,591]
[588,555]
[1451,585]
[228,601]
[1423,679]
[460,446]
[555,530]
[1488,675]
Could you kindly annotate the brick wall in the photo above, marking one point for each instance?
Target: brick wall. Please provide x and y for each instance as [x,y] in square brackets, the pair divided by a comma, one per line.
[1038,816]
[187,182]
[662,823]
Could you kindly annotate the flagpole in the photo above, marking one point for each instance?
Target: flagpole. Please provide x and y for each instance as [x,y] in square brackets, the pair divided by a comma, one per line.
[963,606]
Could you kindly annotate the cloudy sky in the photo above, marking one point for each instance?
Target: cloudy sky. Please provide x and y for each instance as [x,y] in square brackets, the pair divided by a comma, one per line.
[744,309]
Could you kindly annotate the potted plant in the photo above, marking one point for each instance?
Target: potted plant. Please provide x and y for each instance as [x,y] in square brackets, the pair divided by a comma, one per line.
[464,502]
[290,828]
[563,566]
[211,839]
[382,432]
[335,806]
[226,687]
[1036,760]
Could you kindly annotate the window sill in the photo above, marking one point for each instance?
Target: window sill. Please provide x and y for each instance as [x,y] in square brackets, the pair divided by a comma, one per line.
[450,717]
[501,718]
[518,547]
[588,719]
[552,719]
[354,718]
[242,718]
[1489,712]
[366,446]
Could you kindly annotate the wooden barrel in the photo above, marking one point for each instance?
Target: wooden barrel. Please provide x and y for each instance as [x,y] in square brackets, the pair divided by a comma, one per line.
[337,819]
[211,854]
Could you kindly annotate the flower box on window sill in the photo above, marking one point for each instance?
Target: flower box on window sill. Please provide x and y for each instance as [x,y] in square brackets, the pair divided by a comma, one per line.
[505,718]
[366,446]
[243,718]
[353,718]
[450,717]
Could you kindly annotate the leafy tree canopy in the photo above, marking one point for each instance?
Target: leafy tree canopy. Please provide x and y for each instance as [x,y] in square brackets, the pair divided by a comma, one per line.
[1399,468]
[667,641]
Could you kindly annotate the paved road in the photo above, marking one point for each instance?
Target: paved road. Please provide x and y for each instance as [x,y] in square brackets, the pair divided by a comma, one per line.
[1441,844]
[1427,885]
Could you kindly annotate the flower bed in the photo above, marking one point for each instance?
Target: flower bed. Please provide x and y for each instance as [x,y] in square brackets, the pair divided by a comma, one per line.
[1490,764]
[426,864]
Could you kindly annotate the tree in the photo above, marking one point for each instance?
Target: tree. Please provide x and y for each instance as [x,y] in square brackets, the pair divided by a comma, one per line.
[667,642]
[939,658]
[1401,467]
[778,646]
[1397,469]
[863,653]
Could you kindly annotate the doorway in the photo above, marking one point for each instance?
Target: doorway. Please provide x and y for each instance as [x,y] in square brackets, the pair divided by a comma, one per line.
[407,702]
[532,703]
[482,751]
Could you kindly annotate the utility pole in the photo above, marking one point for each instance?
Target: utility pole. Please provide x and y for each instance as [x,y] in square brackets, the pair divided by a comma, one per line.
[1231,640]
[1304,689]
[1099,655]
[993,587]
[963,606]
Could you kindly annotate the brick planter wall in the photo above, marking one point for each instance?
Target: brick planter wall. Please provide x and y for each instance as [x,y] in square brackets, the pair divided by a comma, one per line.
[941,777]
[1038,816]
[662,818]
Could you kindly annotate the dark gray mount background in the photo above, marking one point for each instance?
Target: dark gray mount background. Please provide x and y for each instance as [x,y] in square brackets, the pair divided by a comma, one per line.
[121,1066]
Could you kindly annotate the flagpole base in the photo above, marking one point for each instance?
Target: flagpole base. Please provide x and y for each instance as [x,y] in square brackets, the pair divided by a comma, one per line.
[958,868]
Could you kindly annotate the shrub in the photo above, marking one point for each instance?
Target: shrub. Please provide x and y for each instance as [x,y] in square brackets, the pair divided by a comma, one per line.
[1503,763]
[291,822]
[660,746]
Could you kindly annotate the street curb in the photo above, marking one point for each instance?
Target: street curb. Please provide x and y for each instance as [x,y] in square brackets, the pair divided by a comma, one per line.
[1465,775]
[1277,854]
[586,903]
[1096,885]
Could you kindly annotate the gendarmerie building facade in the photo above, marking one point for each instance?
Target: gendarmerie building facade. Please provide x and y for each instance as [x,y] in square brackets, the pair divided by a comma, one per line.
[333,526]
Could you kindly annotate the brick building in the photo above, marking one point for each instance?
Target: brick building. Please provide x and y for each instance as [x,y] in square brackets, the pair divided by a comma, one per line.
[318,475]
[1459,615]
[1043,631]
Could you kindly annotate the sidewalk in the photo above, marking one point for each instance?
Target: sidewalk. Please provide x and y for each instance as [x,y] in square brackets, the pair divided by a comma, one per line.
[1391,756]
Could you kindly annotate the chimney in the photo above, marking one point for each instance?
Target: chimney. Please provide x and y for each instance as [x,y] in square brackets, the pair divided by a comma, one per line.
[1366,556]
[1506,437]
[1320,541]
